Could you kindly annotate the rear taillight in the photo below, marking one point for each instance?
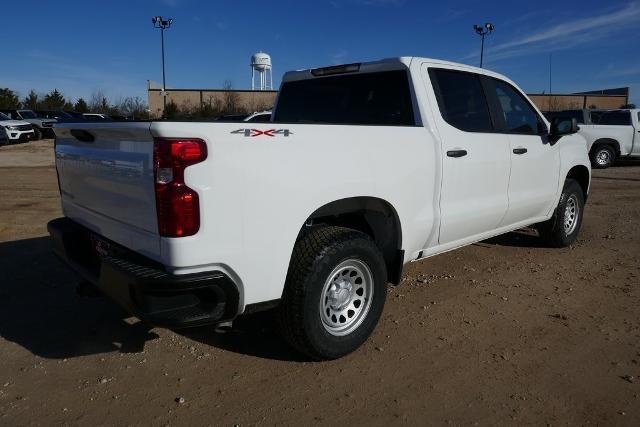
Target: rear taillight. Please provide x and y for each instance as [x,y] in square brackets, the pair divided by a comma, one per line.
[177,205]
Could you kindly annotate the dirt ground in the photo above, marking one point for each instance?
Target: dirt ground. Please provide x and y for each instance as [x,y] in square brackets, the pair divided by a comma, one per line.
[502,332]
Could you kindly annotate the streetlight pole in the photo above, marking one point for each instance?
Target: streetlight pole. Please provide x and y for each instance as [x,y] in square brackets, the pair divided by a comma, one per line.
[162,24]
[483,31]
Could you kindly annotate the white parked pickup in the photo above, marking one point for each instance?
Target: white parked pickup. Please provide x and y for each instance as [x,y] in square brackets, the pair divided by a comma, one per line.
[364,168]
[615,136]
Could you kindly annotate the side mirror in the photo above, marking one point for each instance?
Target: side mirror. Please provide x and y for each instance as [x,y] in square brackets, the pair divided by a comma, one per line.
[563,126]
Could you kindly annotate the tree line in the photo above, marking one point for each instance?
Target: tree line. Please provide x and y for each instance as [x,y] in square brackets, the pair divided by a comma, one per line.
[98,103]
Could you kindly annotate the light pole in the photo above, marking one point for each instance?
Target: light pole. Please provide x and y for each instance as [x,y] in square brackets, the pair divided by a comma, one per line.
[483,31]
[162,24]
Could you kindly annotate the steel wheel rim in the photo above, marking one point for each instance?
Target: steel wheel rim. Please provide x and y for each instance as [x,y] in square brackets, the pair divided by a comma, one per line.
[346,297]
[571,213]
[603,157]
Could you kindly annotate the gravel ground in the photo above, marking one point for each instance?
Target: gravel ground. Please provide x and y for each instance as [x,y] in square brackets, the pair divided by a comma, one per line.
[501,332]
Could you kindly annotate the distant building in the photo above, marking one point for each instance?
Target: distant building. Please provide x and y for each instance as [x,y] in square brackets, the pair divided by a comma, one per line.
[606,99]
[258,100]
[195,99]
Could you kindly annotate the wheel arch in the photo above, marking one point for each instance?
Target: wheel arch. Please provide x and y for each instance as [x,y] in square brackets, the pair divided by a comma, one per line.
[580,173]
[373,216]
[606,141]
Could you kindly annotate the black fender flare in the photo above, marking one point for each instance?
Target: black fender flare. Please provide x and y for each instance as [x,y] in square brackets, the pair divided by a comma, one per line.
[606,141]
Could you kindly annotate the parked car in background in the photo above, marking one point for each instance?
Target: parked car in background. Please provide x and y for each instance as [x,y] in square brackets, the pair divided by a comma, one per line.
[97,117]
[231,118]
[610,134]
[615,136]
[258,116]
[75,114]
[365,167]
[16,130]
[583,116]
[58,115]
[262,116]
[42,127]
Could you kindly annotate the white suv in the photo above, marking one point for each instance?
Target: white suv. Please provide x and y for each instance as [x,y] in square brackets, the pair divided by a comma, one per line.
[16,130]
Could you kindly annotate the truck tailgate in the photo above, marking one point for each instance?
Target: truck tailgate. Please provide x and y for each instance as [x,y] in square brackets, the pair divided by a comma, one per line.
[106,181]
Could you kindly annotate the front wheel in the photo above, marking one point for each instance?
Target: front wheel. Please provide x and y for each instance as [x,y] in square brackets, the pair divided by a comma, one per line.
[37,134]
[564,226]
[602,156]
[334,293]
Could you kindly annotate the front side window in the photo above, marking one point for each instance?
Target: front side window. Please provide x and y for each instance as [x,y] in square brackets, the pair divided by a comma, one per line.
[616,118]
[519,116]
[462,100]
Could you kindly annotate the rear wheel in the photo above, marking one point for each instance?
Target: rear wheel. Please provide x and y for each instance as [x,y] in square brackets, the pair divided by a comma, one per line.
[334,293]
[602,156]
[564,226]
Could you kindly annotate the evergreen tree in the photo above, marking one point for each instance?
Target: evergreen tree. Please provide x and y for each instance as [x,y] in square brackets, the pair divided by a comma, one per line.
[8,99]
[31,101]
[81,106]
[53,101]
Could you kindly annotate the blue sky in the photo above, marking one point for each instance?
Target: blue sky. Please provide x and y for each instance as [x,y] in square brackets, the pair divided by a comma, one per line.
[81,46]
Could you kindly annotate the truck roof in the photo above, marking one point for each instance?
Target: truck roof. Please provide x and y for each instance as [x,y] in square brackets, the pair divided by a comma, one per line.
[388,64]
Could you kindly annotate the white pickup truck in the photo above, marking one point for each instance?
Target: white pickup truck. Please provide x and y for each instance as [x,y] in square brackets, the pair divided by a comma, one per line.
[364,167]
[616,135]
[611,134]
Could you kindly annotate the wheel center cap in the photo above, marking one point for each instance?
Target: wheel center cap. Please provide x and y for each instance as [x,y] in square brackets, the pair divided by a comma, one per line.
[341,295]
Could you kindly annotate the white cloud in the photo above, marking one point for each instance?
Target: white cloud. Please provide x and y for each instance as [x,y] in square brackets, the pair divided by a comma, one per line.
[567,34]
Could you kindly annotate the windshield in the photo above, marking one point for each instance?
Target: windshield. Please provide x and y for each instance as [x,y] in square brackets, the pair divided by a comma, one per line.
[28,114]
[4,117]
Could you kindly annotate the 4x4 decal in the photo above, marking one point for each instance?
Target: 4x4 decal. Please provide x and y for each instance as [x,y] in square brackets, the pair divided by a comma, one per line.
[251,133]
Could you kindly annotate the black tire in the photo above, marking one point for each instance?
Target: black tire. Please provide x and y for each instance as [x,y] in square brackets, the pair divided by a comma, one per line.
[37,134]
[556,230]
[316,256]
[602,156]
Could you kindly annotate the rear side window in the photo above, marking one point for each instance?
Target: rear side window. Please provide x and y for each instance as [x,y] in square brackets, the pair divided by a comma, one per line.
[362,99]
[462,100]
[519,116]
[622,118]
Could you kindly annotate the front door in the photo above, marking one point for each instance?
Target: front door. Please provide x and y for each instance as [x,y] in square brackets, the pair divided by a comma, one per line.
[535,162]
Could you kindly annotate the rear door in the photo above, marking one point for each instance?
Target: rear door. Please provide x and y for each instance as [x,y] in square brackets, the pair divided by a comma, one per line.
[535,162]
[475,159]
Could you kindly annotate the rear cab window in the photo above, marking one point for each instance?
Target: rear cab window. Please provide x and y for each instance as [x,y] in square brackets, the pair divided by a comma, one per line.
[616,118]
[376,98]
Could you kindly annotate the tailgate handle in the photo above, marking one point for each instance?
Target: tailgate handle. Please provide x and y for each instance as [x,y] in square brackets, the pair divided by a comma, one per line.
[457,153]
[82,135]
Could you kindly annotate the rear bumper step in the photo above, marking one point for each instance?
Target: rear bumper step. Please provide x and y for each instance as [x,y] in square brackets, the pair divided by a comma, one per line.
[141,285]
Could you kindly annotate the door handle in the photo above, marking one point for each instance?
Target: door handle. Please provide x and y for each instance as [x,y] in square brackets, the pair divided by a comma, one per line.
[457,153]
[519,150]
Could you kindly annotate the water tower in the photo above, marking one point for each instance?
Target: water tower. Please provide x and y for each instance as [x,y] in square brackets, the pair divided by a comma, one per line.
[261,67]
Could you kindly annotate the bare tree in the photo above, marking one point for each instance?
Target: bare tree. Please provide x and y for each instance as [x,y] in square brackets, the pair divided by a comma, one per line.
[99,103]
[231,99]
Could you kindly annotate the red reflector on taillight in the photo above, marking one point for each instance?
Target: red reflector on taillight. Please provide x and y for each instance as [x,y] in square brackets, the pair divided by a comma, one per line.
[177,205]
